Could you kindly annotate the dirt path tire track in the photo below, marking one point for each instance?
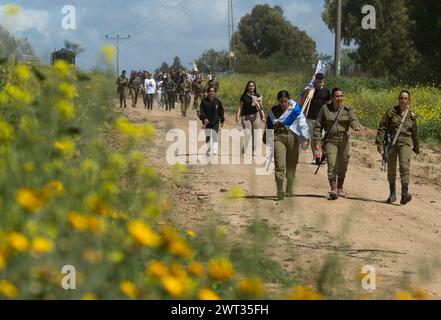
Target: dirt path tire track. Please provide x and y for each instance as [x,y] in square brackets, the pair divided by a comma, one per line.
[397,240]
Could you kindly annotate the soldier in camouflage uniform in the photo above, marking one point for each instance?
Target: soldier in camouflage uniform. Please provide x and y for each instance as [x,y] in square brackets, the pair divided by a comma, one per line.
[122,83]
[198,92]
[184,93]
[402,149]
[336,146]
[169,90]
[135,86]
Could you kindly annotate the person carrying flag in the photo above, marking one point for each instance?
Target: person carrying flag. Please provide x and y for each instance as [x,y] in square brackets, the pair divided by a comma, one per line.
[290,130]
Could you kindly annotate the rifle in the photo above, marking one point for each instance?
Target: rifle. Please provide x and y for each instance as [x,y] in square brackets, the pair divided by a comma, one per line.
[387,144]
[325,138]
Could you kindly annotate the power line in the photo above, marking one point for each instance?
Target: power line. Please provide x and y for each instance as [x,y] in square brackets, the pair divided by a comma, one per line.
[172,21]
[117,38]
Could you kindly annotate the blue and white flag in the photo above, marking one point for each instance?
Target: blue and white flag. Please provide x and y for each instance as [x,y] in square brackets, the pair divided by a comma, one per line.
[293,119]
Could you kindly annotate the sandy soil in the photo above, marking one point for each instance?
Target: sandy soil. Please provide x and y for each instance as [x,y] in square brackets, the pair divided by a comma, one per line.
[399,241]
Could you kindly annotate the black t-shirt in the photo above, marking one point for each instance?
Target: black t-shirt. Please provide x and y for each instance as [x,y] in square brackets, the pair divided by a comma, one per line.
[212,110]
[315,107]
[247,108]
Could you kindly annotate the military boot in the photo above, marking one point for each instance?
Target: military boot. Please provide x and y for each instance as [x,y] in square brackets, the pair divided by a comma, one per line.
[289,185]
[280,192]
[393,193]
[405,195]
[333,195]
[340,191]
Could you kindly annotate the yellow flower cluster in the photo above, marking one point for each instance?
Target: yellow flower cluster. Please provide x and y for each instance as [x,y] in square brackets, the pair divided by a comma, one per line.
[8,290]
[33,200]
[303,293]
[251,287]
[176,244]
[412,294]
[137,132]
[173,278]
[220,269]
[143,234]
[85,223]
[129,289]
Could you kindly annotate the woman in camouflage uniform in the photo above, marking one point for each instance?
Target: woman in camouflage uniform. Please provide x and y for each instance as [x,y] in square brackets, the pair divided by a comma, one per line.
[402,149]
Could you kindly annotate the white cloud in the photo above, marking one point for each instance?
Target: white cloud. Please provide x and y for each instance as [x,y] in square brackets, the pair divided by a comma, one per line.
[26,20]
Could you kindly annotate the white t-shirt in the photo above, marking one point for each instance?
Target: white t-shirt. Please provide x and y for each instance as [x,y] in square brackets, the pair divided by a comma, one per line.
[150,86]
[159,86]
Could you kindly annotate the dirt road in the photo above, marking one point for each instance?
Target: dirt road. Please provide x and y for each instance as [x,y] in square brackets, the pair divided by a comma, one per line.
[399,241]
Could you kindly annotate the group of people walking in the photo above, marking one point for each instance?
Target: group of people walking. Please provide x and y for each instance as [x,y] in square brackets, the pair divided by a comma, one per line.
[319,120]
[169,88]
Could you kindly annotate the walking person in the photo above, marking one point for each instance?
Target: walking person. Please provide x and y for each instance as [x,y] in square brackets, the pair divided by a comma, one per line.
[122,83]
[336,119]
[169,87]
[290,130]
[400,123]
[134,86]
[160,90]
[184,93]
[198,92]
[212,116]
[150,89]
[250,115]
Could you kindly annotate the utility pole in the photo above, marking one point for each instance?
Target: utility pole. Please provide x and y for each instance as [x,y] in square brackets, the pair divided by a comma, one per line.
[337,55]
[231,33]
[117,38]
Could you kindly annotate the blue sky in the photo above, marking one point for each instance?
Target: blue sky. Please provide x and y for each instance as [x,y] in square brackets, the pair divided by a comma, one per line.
[159,30]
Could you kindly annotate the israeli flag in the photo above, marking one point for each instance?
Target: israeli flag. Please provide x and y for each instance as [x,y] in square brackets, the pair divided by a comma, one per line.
[320,68]
[293,119]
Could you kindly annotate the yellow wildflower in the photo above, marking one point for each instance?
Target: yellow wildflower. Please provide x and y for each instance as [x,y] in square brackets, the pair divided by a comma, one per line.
[173,286]
[29,199]
[129,289]
[403,295]
[235,192]
[180,249]
[89,296]
[67,90]
[191,233]
[22,72]
[157,269]
[6,132]
[18,242]
[108,52]
[62,68]
[42,245]
[77,221]
[220,269]
[65,146]
[251,287]
[195,268]
[143,234]
[94,225]
[64,109]
[99,207]
[303,293]
[11,9]
[18,94]
[116,256]
[7,289]
[207,294]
